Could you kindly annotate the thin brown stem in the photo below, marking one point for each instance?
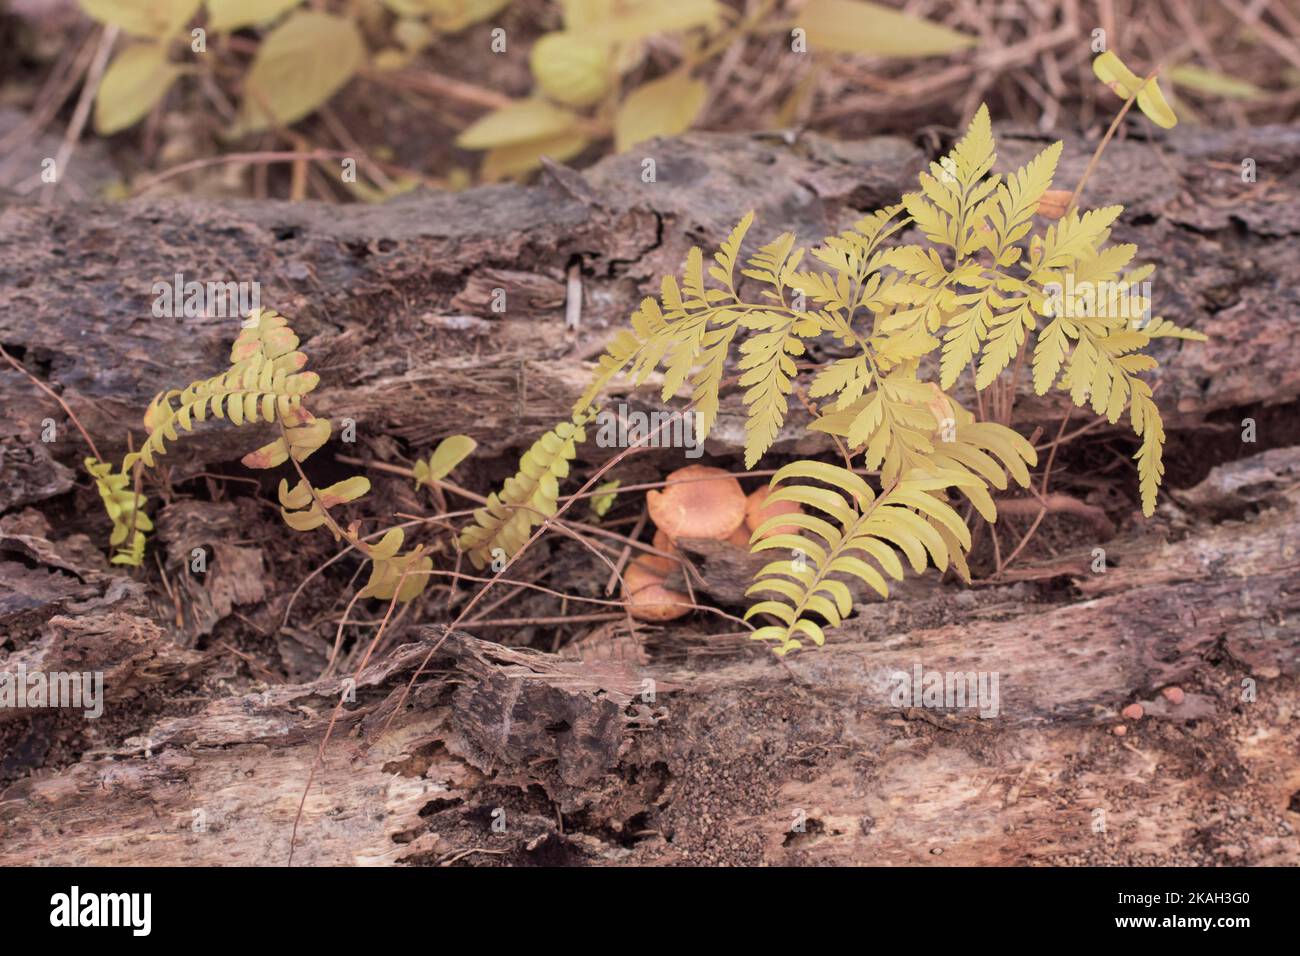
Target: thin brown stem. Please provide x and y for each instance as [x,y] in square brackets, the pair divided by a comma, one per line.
[58,398]
[1096,156]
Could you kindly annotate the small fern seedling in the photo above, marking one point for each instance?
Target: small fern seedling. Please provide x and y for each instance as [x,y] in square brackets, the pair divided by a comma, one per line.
[983,289]
[505,523]
[265,382]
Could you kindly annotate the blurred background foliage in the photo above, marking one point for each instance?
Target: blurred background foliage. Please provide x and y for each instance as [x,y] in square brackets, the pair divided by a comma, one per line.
[278,97]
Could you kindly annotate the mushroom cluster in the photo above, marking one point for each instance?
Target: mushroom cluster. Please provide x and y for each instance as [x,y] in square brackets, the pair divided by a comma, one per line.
[697,502]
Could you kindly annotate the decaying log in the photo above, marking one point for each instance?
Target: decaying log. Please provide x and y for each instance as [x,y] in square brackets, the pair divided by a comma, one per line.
[667,746]
[712,751]
[396,302]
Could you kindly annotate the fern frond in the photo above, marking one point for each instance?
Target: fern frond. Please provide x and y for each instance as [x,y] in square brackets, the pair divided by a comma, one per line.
[724,271]
[987,451]
[1070,239]
[1162,328]
[985,306]
[948,209]
[125,510]
[856,526]
[1006,333]
[1016,201]
[853,254]
[892,424]
[507,520]
[1147,423]
[967,330]
[263,383]
[451,451]
[773,265]
[688,329]
[847,378]
[768,366]
[625,347]
[1102,371]
[1049,352]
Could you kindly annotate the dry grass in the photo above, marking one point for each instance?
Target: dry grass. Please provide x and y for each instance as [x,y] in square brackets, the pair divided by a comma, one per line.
[1032,66]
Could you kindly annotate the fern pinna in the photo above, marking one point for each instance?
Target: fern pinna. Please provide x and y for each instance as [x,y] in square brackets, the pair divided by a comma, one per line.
[506,522]
[977,291]
[264,383]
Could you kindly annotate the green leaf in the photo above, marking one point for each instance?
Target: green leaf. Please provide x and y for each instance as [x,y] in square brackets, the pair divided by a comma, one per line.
[1124,83]
[603,496]
[451,451]
[135,81]
[233,14]
[663,107]
[521,122]
[143,18]
[299,66]
[854,26]
[1213,82]
[518,158]
[571,69]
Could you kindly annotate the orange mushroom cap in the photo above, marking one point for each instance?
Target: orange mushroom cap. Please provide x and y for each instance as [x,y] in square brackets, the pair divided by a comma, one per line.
[698,502]
[661,565]
[646,597]
[757,510]
[1054,202]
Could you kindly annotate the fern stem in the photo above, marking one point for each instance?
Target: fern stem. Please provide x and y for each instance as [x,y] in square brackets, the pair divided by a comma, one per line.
[408,473]
[1040,495]
[90,442]
[338,706]
[1010,400]
[641,444]
[339,531]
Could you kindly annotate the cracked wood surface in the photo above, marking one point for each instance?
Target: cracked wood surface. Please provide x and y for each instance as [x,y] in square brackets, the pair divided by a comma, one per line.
[733,749]
[394,302]
[711,751]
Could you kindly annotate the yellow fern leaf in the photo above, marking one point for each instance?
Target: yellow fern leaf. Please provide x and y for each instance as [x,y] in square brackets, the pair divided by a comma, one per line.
[768,365]
[1162,328]
[263,383]
[832,550]
[506,522]
[1071,239]
[125,509]
[893,307]
[1016,201]
[1150,456]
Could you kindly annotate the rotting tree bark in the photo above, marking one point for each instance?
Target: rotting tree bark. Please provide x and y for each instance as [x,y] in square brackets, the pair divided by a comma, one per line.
[734,750]
[393,304]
